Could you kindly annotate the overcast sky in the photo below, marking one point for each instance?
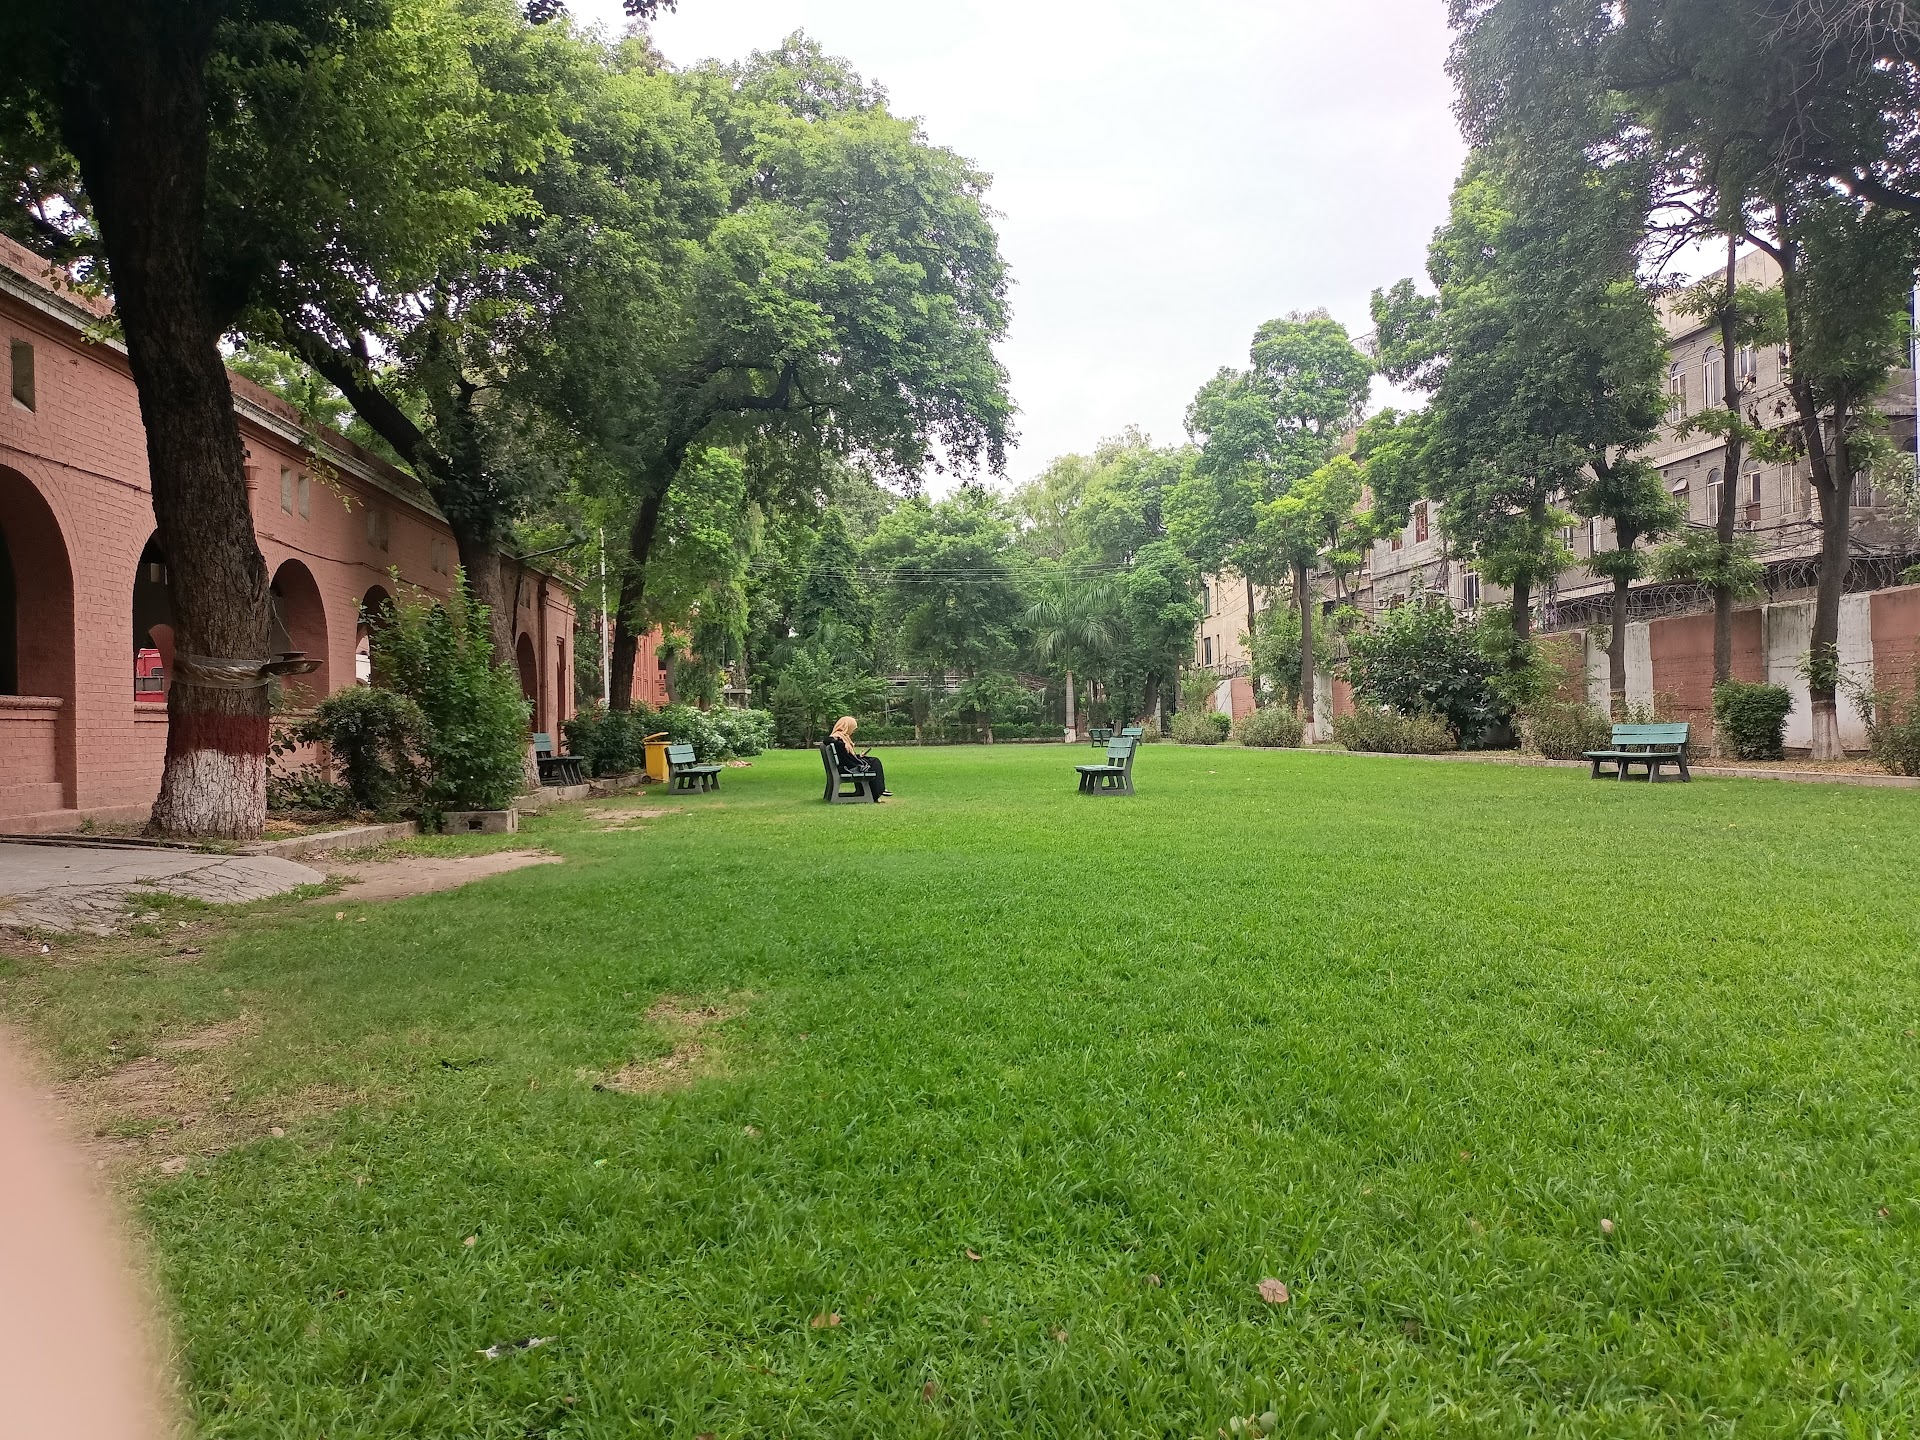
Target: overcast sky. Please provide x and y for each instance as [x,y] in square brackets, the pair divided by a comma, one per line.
[1167,175]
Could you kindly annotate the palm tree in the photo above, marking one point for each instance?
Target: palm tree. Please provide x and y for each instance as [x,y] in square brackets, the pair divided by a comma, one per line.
[1075,625]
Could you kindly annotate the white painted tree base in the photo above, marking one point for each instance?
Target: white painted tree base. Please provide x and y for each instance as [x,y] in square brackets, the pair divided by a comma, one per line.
[213,795]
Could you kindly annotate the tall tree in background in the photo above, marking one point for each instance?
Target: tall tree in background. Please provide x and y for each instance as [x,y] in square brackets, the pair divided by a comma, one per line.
[952,592]
[1261,430]
[845,304]
[1294,529]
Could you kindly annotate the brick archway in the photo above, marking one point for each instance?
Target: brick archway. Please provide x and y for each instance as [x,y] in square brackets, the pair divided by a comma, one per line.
[300,623]
[373,606]
[37,671]
[527,661]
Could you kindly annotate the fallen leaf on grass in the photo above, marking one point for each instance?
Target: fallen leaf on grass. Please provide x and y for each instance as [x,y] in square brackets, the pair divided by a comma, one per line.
[1061,1336]
[470,1241]
[277,1133]
[1154,1280]
[1274,1292]
[508,1347]
[1606,1227]
[824,1322]
[339,914]
[973,1255]
[929,1392]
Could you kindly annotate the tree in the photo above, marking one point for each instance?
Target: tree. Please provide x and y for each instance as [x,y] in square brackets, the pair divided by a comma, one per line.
[1160,603]
[1075,624]
[951,595]
[845,304]
[1262,430]
[1422,659]
[1294,529]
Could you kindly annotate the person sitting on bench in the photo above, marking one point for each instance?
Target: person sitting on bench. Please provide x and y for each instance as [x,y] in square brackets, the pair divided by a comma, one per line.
[853,762]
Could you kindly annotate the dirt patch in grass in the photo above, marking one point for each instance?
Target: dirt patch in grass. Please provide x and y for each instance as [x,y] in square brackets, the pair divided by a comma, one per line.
[625,817]
[692,1057]
[408,875]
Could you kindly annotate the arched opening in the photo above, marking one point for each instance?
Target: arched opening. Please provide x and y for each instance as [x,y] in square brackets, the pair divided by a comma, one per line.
[37,756]
[152,626]
[300,623]
[529,666]
[373,610]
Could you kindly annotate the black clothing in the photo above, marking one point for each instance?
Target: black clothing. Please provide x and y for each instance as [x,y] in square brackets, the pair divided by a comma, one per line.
[852,762]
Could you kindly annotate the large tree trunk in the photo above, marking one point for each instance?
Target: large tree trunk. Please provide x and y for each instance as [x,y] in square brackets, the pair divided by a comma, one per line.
[633,588]
[1522,611]
[1823,690]
[137,122]
[494,583]
[1073,729]
[1304,601]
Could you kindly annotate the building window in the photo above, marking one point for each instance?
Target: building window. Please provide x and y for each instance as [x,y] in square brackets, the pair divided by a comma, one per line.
[1753,486]
[305,490]
[379,533]
[286,490]
[1677,385]
[1420,522]
[1206,651]
[1862,489]
[1713,497]
[1593,536]
[1206,598]
[23,387]
[1713,376]
[1746,364]
[1469,591]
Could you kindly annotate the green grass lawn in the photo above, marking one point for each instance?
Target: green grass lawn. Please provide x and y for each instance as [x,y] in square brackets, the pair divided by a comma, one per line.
[1402,1035]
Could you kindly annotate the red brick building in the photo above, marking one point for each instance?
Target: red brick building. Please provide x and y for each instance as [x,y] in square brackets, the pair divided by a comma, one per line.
[83,580]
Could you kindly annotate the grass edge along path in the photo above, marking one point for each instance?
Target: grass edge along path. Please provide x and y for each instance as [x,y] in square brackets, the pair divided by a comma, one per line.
[1533,1152]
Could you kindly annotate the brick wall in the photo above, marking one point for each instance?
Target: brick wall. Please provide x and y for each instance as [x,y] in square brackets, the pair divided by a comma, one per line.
[1896,637]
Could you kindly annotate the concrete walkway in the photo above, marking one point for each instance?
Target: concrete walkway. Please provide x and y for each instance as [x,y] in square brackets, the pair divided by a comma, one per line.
[70,887]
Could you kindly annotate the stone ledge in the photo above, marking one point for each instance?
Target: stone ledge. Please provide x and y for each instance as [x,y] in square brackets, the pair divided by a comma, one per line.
[356,837]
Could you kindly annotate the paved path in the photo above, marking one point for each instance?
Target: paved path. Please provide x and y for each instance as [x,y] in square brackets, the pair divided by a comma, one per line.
[72,887]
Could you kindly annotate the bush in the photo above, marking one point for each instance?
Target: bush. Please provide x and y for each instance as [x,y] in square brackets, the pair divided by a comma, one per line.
[742,732]
[1562,731]
[1201,727]
[1893,726]
[474,737]
[376,737]
[307,791]
[690,725]
[1750,721]
[1422,659]
[1274,728]
[1383,732]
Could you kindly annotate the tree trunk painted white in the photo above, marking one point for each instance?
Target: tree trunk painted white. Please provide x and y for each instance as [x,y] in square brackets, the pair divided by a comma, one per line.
[213,794]
[1072,729]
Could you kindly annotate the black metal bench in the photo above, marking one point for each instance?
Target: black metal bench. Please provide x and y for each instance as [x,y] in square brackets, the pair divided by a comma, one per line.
[1649,746]
[685,772]
[1116,776]
[557,769]
[865,787]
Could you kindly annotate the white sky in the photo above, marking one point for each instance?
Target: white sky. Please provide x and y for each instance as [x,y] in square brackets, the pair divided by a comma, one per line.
[1168,175]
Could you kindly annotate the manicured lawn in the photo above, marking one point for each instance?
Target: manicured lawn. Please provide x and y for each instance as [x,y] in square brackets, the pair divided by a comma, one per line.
[1400,1034]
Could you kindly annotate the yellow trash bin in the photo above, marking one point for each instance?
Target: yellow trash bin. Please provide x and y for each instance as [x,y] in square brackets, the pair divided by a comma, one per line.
[657,757]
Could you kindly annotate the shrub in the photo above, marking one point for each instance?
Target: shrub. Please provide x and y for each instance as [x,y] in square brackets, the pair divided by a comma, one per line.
[307,791]
[1750,721]
[1274,728]
[1422,659]
[1201,727]
[1562,731]
[742,732]
[376,737]
[474,740]
[1893,726]
[1386,733]
[609,741]
[689,725]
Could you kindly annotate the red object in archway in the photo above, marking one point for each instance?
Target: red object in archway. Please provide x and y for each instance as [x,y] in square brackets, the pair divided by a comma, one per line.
[149,678]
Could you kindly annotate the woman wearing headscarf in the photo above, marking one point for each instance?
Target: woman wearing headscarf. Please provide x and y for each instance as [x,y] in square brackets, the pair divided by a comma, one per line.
[852,761]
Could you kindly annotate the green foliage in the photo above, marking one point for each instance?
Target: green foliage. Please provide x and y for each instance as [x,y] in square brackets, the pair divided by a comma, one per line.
[1563,730]
[992,699]
[609,741]
[1387,732]
[1422,659]
[743,732]
[376,737]
[815,690]
[306,791]
[1201,727]
[1750,721]
[474,737]
[953,596]
[1698,555]
[1271,727]
[1893,725]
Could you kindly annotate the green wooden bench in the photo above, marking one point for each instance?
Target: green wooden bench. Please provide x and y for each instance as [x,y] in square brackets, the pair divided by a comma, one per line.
[1116,776]
[557,769]
[1099,735]
[685,772]
[865,787]
[1649,746]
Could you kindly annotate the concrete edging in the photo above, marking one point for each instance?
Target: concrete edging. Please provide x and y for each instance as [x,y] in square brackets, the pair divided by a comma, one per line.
[355,837]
